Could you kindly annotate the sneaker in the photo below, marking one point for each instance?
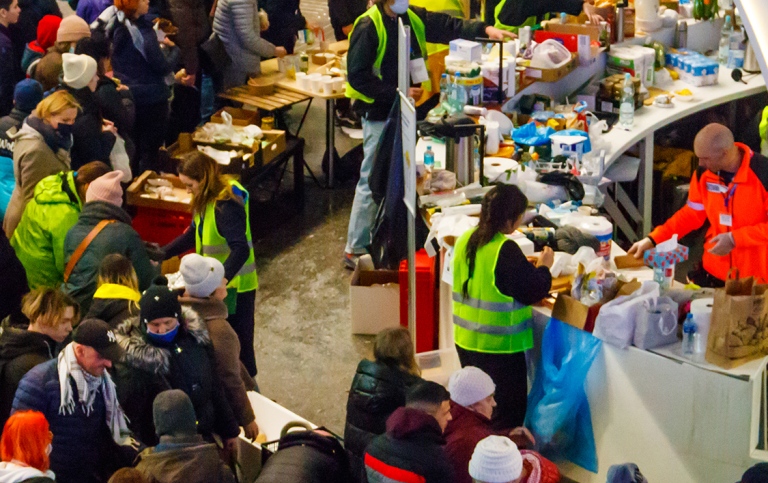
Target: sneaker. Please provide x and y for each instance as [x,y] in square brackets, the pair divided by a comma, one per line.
[350,260]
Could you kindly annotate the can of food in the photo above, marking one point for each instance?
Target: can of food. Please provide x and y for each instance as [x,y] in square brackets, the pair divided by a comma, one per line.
[267,123]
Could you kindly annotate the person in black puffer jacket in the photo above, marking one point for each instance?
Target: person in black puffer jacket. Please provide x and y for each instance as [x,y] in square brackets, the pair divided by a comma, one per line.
[307,457]
[377,390]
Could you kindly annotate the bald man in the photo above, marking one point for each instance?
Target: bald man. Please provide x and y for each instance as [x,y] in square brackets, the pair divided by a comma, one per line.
[730,190]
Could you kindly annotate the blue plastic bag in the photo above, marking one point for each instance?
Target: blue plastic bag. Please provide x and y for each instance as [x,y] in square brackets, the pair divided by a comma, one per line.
[530,135]
[558,411]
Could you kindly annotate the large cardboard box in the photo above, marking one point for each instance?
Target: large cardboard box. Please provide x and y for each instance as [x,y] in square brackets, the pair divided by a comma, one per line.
[374,297]
[573,312]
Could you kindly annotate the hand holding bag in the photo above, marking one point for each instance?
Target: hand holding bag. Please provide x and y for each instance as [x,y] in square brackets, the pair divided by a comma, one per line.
[656,324]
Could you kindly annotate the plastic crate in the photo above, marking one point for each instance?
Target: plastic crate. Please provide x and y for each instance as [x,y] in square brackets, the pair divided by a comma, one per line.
[160,226]
[426,300]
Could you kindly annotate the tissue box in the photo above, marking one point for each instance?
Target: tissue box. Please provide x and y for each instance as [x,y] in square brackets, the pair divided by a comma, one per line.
[654,259]
[466,50]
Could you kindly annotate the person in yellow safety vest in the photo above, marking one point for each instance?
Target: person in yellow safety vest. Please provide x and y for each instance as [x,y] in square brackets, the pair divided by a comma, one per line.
[494,285]
[221,229]
[372,81]
[513,14]
[764,133]
[448,7]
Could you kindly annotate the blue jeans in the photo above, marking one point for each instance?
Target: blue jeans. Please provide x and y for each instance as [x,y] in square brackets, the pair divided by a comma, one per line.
[363,207]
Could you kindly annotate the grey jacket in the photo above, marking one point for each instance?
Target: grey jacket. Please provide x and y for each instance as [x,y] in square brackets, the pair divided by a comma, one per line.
[236,22]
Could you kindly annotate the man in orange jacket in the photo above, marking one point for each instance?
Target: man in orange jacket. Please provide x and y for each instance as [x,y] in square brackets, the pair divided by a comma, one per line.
[730,190]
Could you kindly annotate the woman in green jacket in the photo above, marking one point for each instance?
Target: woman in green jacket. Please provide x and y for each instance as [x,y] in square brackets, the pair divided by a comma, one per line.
[39,238]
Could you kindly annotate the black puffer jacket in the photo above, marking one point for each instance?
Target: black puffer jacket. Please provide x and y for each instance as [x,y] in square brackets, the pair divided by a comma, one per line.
[377,390]
[185,364]
[89,143]
[112,311]
[20,351]
[306,457]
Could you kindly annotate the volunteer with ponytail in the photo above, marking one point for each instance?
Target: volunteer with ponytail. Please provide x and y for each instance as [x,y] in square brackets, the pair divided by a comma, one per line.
[494,285]
[221,229]
[372,82]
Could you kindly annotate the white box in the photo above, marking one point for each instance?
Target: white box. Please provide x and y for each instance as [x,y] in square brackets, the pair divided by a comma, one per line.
[437,366]
[374,299]
[466,50]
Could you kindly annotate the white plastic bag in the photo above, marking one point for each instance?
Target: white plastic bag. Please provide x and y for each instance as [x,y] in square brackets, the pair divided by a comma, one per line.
[550,54]
[656,324]
[118,158]
[616,321]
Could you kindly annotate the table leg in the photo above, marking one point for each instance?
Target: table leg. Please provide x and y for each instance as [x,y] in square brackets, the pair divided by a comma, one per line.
[330,134]
[646,183]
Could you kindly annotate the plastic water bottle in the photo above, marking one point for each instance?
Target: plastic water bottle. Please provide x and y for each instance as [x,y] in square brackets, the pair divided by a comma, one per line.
[460,99]
[627,107]
[429,158]
[444,90]
[725,41]
[689,339]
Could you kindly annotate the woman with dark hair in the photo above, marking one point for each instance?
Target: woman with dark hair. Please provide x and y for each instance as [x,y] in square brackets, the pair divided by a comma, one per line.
[378,389]
[494,285]
[221,229]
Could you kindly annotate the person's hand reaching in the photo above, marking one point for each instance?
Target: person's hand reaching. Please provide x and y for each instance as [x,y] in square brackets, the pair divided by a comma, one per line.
[498,34]
[522,437]
[639,248]
[251,430]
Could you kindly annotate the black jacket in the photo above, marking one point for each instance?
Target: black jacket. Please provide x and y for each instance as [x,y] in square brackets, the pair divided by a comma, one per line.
[186,364]
[8,71]
[439,28]
[117,106]
[285,21]
[413,443]
[343,13]
[515,12]
[13,121]
[377,390]
[306,457]
[112,311]
[89,142]
[13,282]
[20,351]
[516,277]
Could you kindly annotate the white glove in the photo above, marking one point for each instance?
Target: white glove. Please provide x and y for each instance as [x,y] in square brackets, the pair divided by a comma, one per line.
[722,244]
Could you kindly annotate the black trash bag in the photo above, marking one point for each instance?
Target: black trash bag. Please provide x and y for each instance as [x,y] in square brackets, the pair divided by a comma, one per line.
[571,183]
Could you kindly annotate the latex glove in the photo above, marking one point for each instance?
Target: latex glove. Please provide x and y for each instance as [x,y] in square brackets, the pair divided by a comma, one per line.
[498,34]
[251,430]
[522,437]
[722,244]
[639,248]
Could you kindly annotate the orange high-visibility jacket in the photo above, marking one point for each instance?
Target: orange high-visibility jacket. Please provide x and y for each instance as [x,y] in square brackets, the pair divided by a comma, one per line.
[743,204]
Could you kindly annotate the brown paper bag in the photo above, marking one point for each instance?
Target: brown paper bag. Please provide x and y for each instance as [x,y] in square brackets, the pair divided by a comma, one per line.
[739,328]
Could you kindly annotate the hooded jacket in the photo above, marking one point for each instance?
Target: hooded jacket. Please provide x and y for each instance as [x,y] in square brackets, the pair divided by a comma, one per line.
[226,355]
[20,351]
[114,304]
[15,473]
[118,237]
[186,364]
[46,37]
[195,462]
[39,238]
[236,22]
[33,160]
[413,446]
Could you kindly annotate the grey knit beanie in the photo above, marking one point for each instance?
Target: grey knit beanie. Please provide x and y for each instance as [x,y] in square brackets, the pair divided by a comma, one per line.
[174,414]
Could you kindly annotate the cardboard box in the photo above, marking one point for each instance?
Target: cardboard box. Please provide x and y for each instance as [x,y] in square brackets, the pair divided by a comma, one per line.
[138,188]
[240,117]
[184,144]
[551,75]
[466,50]
[573,29]
[573,312]
[272,145]
[374,299]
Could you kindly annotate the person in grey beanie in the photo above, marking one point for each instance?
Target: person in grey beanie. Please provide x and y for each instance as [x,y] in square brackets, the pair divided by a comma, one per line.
[181,454]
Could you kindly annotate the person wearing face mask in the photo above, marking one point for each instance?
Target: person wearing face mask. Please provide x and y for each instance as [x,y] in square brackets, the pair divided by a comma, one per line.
[51,315]
[472,403]
[93,137]
[168,347]
[41,149]
[372,83]
[25,449]
[78,397]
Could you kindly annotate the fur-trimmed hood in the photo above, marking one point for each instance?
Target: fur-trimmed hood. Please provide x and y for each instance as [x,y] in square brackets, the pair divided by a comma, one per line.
[139,353]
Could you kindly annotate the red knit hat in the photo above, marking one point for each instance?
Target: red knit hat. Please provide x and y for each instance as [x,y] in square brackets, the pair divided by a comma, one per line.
[47,30]
[106,188]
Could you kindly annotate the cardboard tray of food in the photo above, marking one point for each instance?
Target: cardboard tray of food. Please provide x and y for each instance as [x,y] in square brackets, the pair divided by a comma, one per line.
[240,117]
[146,191]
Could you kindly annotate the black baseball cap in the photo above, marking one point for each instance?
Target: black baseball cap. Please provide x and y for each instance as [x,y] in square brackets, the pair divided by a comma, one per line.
[97,334]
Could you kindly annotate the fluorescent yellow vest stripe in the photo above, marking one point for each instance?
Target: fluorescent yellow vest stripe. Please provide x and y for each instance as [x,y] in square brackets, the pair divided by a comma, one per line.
[529,22]
[486,320]
[764,133]
[215,246]
[418,29]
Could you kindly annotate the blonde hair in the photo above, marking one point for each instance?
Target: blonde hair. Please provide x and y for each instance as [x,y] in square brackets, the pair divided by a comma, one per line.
[117,269]
[46,306]
[394,347]
[213,186]
[55,104]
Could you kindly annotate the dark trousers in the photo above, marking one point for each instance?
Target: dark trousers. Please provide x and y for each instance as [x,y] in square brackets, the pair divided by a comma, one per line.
[242,322]
[149,135]
[510,374]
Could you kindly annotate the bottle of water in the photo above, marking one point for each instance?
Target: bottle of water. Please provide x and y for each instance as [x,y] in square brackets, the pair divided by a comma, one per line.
[689,339]
[627,106]
[460,95]
[429,158]
[444,90]
[725,41]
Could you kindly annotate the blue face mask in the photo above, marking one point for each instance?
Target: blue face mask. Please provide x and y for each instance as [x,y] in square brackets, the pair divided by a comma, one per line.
[166,338]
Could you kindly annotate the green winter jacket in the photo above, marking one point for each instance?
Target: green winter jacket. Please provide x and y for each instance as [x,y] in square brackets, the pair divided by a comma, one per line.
[39,238]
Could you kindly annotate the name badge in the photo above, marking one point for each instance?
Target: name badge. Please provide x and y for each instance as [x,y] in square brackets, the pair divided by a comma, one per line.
[716,188]
[726,220]
[419,71]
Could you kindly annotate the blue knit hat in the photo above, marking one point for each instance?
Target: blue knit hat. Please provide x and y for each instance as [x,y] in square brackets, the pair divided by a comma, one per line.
[27,95]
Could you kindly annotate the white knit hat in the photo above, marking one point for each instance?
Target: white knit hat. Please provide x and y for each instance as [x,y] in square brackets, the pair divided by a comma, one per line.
[78,69]
[470,385]
[496,459]
[202,275]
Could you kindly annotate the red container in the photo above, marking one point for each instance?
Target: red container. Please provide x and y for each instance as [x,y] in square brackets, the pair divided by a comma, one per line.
[569,41]
[427,306]
[160,226]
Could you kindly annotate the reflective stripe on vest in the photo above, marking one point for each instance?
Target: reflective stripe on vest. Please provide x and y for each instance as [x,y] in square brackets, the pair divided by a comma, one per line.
[529,22]
[764,133]
[486,320]
[213,245]
[381,32]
